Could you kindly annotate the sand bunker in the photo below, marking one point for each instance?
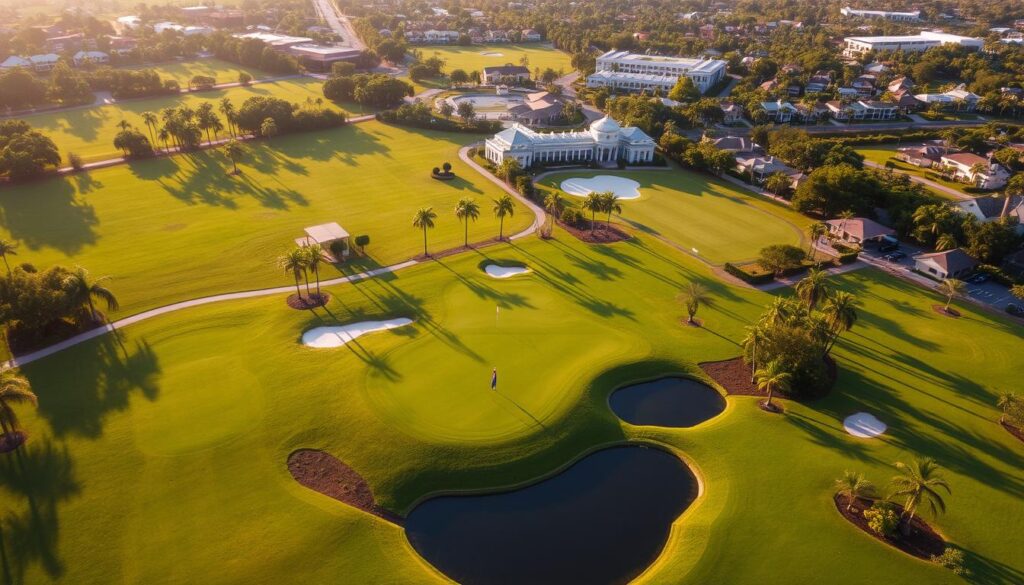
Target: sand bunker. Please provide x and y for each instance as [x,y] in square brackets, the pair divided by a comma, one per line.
[864,425]
[338,335]
[624,188]
[495,271]
[492,54]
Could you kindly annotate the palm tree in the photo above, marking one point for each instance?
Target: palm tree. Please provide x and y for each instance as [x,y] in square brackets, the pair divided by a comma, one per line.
[424,219]
[918,485]
[294,262]
[8,248]
[14,389]
[813,288]
[151,121]
[610,203]
[314,257]
[593,203]
[1008,402]
[755,335]
[123,125]
[853,486]
[840,315]
[164,135]
[82,289]
[552,204]
[467,209]
[694,294]
[816,231]
[978,169]
[234,150]
[946,242]
[770,378]
[503,206]
[227,109]
[845,216]
[951,287]
[268,128]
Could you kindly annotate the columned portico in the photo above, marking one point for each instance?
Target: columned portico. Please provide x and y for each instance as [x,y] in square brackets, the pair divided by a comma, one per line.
[605,142]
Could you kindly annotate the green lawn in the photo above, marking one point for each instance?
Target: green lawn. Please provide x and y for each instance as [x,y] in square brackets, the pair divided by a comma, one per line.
[883,153]
[184,71]
[723,222]
[164,461]
[476,57]
[176,228]
[89,132]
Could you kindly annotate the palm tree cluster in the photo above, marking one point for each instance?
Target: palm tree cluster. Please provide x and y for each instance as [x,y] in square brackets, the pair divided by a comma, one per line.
[1012,406]
[183,127]
[14,389]
[917,485]
[466,210]
[300,262]
[799,334]
[601,202]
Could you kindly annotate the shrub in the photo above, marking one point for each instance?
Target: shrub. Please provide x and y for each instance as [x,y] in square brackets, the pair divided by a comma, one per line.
[780,257]
[524,185]
[201,82]
[573,217]
[435,171]
[882,519]
[338,249]
[75,161]
[343,69]
[362,241]
[848,257]
[953,559]
[244,78]
[749,276]
[447,167]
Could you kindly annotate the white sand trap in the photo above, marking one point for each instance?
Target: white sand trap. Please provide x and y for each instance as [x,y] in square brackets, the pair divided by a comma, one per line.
[864,425]
[495,271]
[492,54]
[621,186]
[339,335]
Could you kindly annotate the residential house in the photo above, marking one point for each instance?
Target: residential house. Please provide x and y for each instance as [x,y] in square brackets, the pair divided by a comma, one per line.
[495,36]
[90,57]
[531,36]
[539,108]
[863,110]
[958,99]
[900,84]
[15,61]
[68,43]
[505,74]
[440,37]
[989,209]
[707,32]
[740,145]
[926,156]
[812,112]
[760,167]
[906,102]
[971,168]
[858,230]
[779,111]
[731,113]
[865,85]
[953,263]
[44,62]
[819,82]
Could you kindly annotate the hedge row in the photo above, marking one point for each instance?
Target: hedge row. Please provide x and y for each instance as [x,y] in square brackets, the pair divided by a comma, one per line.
[748,277]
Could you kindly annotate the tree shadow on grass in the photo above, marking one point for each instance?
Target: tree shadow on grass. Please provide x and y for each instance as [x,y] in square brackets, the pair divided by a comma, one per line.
[378,363]
[988,571]
[49,213]
[42,475]
[505,300]
[76,399]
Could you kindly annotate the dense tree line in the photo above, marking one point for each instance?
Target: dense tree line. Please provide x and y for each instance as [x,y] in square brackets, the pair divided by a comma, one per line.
[375,90]
[252,53]
[24,152]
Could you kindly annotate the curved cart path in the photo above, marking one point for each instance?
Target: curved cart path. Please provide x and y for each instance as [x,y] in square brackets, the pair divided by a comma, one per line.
[539,218]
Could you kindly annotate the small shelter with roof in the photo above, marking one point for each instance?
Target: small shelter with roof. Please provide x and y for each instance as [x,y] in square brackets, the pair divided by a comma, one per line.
[332,238]
[953,263]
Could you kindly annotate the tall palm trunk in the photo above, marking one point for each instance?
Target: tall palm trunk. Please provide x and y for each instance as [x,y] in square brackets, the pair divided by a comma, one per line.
[465,240]
[949,300]
[298,291]
[7,265]
[425,253]
[316,273]
[92,308]
[305,274]
[771,392]
[501,230]
[593,221]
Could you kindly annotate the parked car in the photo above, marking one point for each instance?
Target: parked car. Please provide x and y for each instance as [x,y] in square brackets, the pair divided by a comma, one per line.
[894,256]
[888,244]
[979,278]
[1015,310]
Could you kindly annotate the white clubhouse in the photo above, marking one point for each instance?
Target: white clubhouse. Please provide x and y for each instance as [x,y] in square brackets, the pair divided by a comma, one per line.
[604,142]
[627,71]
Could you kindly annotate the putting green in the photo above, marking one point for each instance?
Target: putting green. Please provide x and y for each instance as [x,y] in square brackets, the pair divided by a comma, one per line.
[119,446]
[722,222]
[181,227]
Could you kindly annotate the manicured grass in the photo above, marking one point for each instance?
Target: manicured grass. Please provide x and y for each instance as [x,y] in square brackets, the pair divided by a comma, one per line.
[184,71]
[723,222]
[180,227]
[165,460]
[883,153]
[473,58]
[89,132]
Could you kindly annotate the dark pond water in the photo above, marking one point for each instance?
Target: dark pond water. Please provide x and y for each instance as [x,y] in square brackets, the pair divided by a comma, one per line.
[603,520]
[668,402]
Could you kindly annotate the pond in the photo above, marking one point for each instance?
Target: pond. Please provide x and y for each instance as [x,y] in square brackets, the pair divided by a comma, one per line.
[603,520]
[668,402]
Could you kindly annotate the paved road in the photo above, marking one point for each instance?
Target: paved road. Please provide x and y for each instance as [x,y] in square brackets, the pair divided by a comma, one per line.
[954,193]
[568,91]
[339,23]
[538,221]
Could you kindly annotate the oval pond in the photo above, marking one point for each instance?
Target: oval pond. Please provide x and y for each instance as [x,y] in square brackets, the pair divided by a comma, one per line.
[667,402]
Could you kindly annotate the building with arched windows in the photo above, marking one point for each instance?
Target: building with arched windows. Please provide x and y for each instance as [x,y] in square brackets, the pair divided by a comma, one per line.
[604,142]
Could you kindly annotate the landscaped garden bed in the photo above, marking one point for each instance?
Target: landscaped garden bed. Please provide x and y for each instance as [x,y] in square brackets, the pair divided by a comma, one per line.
[921,541]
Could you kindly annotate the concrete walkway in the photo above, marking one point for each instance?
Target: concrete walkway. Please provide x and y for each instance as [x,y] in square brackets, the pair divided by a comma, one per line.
[538,221]
[954,193]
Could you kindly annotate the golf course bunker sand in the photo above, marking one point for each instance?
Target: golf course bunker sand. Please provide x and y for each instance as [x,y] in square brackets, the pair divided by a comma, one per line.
[339,335]
[667,402]
[492,54]
[499,271]
[864,425]
[324,473]
[622,187]
[604,519]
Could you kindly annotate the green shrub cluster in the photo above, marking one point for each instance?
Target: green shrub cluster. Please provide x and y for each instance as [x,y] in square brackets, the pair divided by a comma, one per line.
[749,277]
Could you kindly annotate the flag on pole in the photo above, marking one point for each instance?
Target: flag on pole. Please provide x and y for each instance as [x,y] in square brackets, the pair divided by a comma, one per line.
[494,379]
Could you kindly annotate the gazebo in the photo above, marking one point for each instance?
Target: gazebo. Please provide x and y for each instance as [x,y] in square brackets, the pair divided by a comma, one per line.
[327,235]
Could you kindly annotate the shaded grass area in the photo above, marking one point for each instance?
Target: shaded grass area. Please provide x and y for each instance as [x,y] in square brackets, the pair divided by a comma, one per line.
[89,131]
[696,211]
[175,228]
[184,71]
[182,426]
[886,153]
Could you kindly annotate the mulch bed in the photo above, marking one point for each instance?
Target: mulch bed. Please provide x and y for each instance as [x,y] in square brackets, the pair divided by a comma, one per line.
[602,235]
[11,441]
[1015,431]
[734,376]
[941,309]
[310,301]
[443,177]
[922,542]
[695,323]
[326,474]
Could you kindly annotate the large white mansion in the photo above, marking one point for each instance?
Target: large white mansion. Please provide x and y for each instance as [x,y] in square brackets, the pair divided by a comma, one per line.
[604,142]
[924,40]
[627,71]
